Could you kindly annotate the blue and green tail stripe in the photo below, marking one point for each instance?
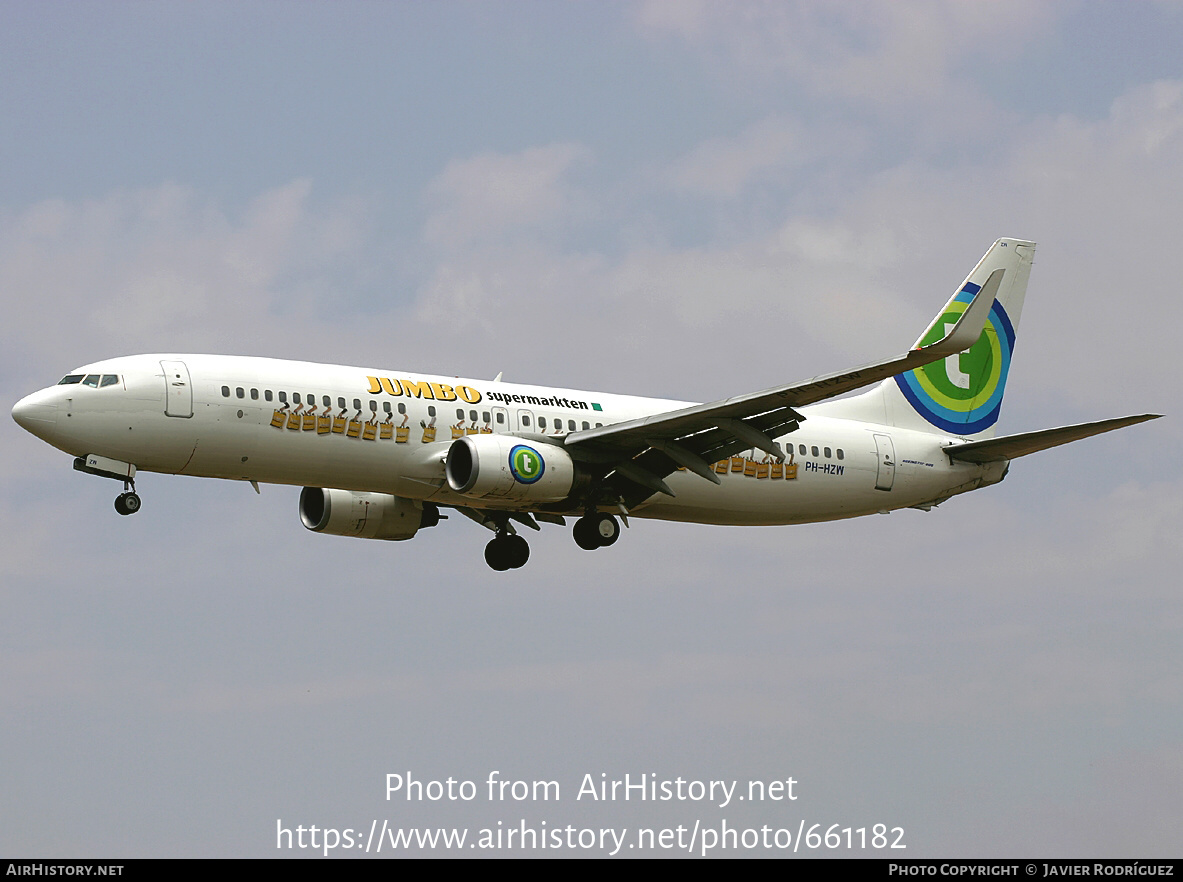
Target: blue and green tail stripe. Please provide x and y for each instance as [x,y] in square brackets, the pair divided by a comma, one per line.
[962,394]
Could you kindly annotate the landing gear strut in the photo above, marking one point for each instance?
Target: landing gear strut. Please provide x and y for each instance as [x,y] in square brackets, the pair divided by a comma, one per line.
[507,551]
[596,530]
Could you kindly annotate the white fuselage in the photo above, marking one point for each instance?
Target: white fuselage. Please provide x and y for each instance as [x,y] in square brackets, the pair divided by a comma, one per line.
[222,417]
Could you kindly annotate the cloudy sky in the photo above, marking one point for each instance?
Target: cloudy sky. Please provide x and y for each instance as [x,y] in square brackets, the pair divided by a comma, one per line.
[683,199]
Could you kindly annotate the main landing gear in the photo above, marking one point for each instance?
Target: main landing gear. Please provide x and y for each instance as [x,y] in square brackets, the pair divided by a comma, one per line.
[596,530]
[507,551]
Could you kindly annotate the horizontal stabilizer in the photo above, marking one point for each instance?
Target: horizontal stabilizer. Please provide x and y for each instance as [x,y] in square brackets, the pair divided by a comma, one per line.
[1012,446]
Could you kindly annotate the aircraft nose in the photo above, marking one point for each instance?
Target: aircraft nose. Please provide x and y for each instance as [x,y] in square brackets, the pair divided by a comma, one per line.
[34,414]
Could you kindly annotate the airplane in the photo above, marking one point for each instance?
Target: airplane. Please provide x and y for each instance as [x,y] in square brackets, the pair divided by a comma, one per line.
[379,453]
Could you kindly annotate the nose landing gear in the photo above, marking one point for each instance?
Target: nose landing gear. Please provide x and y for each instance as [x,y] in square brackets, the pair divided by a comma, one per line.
[127,502]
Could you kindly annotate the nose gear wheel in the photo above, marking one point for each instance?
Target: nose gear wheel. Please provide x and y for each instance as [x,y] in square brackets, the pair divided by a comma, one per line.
[127,503]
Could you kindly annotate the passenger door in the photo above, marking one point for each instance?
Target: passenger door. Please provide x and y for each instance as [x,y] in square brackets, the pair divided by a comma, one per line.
[178,392]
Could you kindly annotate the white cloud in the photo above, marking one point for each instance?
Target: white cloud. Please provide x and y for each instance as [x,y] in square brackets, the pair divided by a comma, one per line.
[493,196]
[893,53]
[723,167]
[164,268]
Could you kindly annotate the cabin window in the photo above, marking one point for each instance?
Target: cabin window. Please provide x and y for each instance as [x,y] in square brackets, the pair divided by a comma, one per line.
[325,401]
[840,454]
[283,396]
[472,416]
[431,410]
[570,425]
[373,406]
[109,380]
[267,394]
[485,417]
[225,391]
[542,423]
[598,425]
[525,420]
[801,449]
[240,392]
[386,407]
[357,404]
[813,450]
[402,408]
[826,451]
[70,380]
[500,418]
[586,424]
[254,394]
[295,398]
[460,414]
[341,403]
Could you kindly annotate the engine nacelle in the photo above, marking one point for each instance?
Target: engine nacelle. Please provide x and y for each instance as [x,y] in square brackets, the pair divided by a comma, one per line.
[505,467]
[365,515]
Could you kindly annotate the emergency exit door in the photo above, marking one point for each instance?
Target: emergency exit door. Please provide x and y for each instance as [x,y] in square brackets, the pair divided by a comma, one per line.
[885,473]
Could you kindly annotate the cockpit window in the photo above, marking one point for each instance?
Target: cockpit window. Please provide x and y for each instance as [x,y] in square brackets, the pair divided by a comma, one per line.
[91,380]
[70,380]
[109,380]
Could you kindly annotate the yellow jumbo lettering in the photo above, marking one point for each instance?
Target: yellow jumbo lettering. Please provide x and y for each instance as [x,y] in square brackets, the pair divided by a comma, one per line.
[417,390]
[434,391]
[443,392]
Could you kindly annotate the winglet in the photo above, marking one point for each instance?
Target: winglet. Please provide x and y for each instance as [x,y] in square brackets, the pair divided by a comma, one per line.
[969,327]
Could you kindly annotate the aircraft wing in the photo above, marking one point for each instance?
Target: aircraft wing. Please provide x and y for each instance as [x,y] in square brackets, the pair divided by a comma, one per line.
[1012,446]
[643,451]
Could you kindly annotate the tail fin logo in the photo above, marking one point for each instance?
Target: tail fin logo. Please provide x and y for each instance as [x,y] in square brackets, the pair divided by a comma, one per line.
[963,393]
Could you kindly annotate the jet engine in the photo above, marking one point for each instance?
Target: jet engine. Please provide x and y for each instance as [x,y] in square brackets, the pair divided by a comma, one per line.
[510,468]
[365,515]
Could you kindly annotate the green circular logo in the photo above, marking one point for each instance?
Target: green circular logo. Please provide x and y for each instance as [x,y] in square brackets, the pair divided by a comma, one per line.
[525,464]
[963,393]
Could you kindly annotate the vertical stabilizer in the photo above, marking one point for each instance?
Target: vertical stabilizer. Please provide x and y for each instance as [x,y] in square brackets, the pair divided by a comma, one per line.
[961,394]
